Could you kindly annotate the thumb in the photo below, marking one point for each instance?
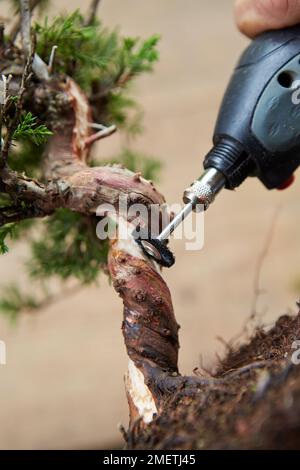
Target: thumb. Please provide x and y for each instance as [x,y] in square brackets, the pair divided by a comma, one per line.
[255,16]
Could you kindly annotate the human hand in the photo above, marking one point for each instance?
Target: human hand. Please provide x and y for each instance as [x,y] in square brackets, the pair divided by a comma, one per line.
[256,16]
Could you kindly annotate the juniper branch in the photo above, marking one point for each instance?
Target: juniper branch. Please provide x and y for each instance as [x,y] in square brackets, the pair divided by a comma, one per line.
[17,25]
[25,27]
[92,12]
[19,105]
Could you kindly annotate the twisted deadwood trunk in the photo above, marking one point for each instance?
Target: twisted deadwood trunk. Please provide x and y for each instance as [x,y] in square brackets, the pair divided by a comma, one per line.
[149,326]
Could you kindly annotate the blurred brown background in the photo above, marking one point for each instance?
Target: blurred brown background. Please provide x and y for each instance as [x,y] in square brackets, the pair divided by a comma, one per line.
[62,386]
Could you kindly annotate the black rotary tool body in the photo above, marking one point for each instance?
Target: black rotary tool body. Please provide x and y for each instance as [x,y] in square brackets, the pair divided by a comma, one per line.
[257,131]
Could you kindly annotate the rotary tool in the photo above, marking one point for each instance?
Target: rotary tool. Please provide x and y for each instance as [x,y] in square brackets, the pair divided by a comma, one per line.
[257,131]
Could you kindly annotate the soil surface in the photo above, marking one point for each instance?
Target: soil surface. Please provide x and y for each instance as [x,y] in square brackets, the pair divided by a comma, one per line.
[252,401]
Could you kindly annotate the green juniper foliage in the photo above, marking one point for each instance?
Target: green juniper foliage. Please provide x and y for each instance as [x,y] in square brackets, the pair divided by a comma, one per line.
[14,301]
[28,129]
[87,51]
[6,231]
[99,60]
[103,63]
[27,157]
[14,231]
[68,248]
[76,43]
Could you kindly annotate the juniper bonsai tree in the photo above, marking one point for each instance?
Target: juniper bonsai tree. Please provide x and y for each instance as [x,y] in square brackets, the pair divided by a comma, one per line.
[65,84]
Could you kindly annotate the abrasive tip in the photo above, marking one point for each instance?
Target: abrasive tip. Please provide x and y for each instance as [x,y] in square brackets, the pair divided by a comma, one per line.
[158,251]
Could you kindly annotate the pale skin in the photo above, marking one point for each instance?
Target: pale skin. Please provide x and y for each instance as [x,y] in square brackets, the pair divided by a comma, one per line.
[256,16]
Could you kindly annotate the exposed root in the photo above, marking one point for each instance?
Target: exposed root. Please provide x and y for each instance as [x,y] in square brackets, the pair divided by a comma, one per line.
[255,406]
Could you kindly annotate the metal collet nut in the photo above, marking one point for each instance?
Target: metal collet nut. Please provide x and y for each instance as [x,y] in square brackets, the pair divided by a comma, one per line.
[199,193]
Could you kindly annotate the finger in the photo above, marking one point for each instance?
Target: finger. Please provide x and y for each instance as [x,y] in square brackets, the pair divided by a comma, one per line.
[255,16]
